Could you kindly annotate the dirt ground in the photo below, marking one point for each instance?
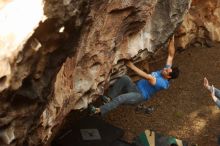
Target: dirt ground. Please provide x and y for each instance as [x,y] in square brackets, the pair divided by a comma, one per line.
[186,109]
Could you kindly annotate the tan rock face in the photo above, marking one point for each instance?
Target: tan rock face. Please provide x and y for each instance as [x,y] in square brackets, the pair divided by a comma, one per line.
[202,23]
[68,59]
[114,31]
[14,32]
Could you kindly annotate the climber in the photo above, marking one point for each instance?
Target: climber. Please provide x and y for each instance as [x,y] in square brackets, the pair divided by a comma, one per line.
[215,93]
[124,91]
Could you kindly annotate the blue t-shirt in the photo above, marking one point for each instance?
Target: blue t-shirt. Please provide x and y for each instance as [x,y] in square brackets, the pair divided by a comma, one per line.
[147,90]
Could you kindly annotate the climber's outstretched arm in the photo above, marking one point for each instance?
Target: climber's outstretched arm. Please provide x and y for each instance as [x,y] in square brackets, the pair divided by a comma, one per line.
[149,77]
[171,52]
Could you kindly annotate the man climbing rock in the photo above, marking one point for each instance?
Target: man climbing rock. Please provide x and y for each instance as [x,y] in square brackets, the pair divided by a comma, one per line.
[124,91]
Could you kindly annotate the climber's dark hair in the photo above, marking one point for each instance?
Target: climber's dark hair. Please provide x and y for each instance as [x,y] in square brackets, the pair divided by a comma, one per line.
[175,73]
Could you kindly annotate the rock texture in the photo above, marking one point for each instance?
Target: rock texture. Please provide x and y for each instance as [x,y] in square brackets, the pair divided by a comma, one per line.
[15,31]
[201,26]
[72,53]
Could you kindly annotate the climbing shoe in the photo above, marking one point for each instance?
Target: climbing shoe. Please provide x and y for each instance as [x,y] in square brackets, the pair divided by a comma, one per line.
[92,110]
[144,109]
[105,98]
[149,110]
[140,108]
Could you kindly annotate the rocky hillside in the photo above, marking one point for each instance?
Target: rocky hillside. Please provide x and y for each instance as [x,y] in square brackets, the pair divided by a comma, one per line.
[59,55]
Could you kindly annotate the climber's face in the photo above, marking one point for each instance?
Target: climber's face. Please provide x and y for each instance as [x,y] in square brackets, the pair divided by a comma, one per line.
[166,73]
